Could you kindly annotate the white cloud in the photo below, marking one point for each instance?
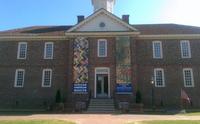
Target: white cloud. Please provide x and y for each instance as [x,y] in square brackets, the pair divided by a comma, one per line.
[182,12]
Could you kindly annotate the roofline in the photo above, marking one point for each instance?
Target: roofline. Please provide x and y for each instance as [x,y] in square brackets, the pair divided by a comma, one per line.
[31,38]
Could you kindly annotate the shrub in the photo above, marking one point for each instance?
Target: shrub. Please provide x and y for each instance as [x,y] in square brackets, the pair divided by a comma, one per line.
[138,97]
[58,97]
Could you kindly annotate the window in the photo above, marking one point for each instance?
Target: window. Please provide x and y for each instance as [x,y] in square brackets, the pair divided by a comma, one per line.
[46,78]
[188,77]
[19,78]
[102,48]
[157,50]
[22,50]
[48,50]
[185,49]
[159,77]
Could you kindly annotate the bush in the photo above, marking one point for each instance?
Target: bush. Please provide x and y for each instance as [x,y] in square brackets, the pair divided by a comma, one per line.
[58,97]
[138,97]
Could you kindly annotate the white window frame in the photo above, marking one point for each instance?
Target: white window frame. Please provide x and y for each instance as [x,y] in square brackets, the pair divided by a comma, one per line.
[43,74]
[161,50]
[163,77]
[16,78]
[192,77]
[189,49]
[45,47]
[106,45]
[19,48]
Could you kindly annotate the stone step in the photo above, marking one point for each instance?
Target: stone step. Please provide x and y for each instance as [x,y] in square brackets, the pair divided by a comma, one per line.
[101,109]
[96,104]
[101,106]
[99,112]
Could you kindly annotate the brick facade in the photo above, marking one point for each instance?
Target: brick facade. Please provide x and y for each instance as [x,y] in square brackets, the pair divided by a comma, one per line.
[33,95]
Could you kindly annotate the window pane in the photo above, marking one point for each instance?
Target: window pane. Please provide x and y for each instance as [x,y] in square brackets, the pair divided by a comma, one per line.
[22,50]
[47,77]
[159,79]
[19,78]
[185,47]
[157,49]
[102,48]
[49,51]
[188,77]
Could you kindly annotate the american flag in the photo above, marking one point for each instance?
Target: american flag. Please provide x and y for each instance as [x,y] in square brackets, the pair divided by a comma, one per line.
[184,96]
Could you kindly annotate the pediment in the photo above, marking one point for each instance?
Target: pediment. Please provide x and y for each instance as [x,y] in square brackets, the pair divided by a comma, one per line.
[102,21]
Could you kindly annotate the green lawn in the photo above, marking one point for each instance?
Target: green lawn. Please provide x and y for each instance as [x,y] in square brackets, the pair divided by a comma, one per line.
[35,122]
[167,122]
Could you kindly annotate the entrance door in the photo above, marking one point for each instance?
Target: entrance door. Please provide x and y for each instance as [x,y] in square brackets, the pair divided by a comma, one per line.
[102,82]
[102,85]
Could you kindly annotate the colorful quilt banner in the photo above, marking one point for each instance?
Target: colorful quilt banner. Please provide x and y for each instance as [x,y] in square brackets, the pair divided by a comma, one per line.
[123,64]
[80,62]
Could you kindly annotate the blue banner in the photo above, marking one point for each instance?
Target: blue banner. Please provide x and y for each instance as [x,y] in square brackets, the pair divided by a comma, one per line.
[80,87]
[124,88]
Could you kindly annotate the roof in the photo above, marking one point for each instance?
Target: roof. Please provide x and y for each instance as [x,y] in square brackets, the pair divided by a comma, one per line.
[144,29]
[38,30]
[160,29]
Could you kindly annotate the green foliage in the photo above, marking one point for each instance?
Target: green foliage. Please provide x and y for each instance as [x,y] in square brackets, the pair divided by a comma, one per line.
[58,97]
[138,97]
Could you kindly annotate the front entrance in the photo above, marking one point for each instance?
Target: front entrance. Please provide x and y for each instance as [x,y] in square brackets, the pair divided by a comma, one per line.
[102,83]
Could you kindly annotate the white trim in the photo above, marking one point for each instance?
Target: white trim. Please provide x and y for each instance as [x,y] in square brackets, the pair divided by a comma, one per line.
[161,49]
[43,74]
[16,77]
[192,76]
[163,77]
[189,49]
[98,48]
[33,37]
[19,48]
[45,47]
[95,81]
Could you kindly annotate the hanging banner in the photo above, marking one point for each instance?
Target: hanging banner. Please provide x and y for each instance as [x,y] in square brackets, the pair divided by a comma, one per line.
[123,65]
[80,65]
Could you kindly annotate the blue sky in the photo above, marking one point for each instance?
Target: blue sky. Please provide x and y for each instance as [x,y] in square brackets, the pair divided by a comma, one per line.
[22,13]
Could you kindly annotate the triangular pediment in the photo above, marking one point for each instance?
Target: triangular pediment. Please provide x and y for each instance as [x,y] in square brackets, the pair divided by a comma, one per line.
[102,21]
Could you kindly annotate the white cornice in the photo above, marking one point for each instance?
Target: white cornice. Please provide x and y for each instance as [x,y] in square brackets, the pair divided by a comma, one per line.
[136,36]
[170,36]
[104,34]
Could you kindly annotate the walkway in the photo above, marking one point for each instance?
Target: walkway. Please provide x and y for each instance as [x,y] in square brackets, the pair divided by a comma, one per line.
[100,118]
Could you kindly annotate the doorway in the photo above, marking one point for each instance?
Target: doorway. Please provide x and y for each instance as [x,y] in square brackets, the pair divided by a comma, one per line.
[102,83]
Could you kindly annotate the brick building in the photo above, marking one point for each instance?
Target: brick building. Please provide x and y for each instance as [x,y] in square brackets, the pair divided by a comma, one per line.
[102,56]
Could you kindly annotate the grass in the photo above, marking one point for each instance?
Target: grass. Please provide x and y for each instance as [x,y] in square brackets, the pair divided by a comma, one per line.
[35,122]
[167,122]
[190,114]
